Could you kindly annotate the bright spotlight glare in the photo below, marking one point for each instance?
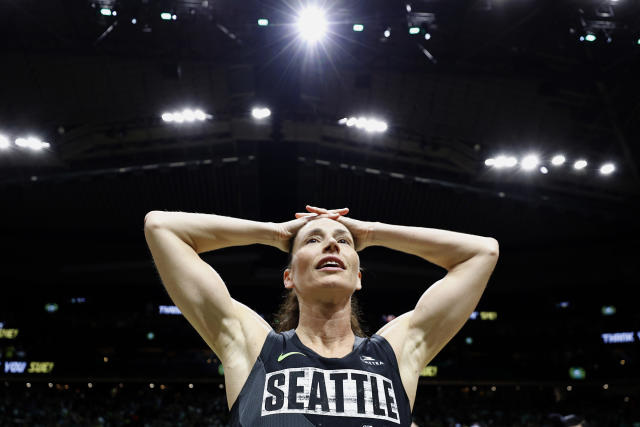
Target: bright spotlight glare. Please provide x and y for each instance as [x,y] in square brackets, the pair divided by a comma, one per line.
[263,22]
[558,160]
[427,36]
[373,125]
[503,161]
[32,143]
[200,115]
[366,123]
[312,24]
[188,115]
[530,162]
[580,164]
[590,37]
[260,113]
[4,142]
[500,162]
[414,30]
[165,16]
[167,117]
[544,170]
[387,33]
[178,117]
[490,162]
[607,169]
[105,11]
[358,27]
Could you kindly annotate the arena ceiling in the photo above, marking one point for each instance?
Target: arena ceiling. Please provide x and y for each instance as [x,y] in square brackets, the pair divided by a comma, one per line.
[495,76]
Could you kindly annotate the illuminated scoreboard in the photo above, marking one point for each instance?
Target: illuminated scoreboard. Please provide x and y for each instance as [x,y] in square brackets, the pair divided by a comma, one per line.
[429,371]
[484,315]
[22,367]
[8,333]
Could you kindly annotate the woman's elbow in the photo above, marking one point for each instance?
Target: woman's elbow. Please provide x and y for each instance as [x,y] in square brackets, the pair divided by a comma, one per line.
[151,219]
[493,248]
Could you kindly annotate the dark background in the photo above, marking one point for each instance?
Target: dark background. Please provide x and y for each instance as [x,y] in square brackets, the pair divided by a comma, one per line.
[508,77]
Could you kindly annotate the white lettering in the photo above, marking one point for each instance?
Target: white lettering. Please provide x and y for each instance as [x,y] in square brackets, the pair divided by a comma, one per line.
[617,337]
[15,367]
[169,309]
[340,392]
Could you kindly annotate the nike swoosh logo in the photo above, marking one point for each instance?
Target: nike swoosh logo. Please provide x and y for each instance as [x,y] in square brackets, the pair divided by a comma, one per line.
[284,356]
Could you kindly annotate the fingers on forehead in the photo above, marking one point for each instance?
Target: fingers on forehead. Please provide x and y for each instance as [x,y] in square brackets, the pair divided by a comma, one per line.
[328,225]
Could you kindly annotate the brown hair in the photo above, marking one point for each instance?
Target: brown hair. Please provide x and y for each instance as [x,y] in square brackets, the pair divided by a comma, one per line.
[288,313]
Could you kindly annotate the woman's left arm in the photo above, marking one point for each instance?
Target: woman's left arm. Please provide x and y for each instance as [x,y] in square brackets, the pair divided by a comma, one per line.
[417,336]
[445,306]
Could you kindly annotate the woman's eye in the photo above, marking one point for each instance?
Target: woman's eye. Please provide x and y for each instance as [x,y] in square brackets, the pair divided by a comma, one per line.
[343,241]
[312,240]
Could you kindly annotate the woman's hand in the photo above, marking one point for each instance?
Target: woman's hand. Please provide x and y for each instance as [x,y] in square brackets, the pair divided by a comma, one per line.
[362,231]
[284,231]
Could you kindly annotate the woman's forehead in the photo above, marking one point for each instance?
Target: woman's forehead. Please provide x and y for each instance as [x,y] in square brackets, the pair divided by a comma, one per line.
[324,225]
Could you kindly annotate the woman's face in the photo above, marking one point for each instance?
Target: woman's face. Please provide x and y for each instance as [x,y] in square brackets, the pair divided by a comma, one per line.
[324,263]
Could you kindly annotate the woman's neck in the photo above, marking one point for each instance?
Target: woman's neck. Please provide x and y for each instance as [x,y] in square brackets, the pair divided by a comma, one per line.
[326,328]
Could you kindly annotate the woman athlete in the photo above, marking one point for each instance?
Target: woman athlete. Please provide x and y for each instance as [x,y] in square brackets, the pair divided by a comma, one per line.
[321,373]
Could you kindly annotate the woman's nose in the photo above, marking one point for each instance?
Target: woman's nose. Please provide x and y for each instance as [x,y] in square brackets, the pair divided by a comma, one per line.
[332,244]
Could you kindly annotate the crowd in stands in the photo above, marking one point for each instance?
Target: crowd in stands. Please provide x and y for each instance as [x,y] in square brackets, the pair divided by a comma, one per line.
[175,404]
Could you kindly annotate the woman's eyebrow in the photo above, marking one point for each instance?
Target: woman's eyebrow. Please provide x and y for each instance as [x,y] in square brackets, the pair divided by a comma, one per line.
[321,232]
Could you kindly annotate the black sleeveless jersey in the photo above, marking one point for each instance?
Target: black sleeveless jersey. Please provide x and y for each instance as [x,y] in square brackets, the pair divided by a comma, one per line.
[291,385]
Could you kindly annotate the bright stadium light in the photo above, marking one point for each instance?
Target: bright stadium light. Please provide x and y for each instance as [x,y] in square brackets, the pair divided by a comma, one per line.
[367,124]
[32,143]
[187,115]
[544,170]
[500,162]
[200,115]
[260,113]
[558,160]
[4,142]
[312,24]
[590,37]
[358,28]
[503,161]
[105,11]
[580,164]
[414,30]
[530,162]
[427,36]
[607,169]
[166,16]
[490,162]
[263,22]
[387,33]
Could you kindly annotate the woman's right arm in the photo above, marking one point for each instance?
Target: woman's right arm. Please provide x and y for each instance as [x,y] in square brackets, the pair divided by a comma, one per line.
[175,240]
